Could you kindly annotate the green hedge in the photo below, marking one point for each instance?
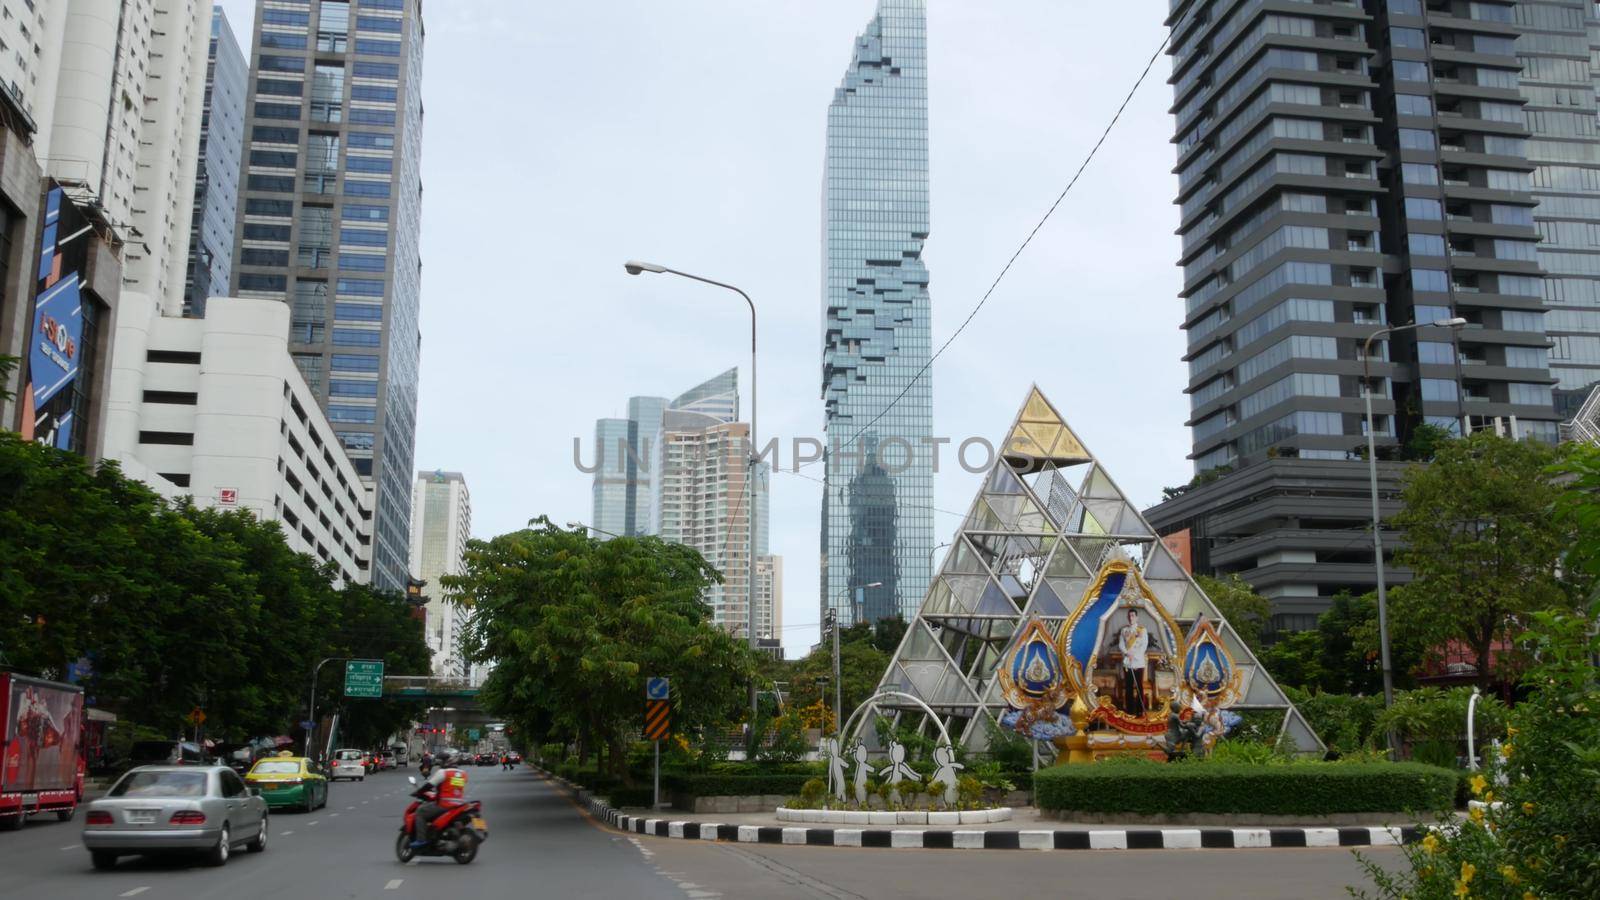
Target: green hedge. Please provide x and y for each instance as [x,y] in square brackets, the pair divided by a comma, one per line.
[716,785]
[1295,789]
[634,796]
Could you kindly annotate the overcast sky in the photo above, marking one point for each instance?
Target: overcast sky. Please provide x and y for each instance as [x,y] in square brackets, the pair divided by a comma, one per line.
[563,138]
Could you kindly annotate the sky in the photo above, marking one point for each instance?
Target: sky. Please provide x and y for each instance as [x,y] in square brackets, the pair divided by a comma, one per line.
[562,139]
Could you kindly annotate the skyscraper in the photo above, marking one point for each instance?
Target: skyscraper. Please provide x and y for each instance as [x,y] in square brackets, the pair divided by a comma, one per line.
[216,190]
[329,222]
[1556,41]
[622,481]
[1342,167]
[877,516]
[441,524]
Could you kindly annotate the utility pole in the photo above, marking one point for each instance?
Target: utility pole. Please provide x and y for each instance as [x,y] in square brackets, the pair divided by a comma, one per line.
[838,685]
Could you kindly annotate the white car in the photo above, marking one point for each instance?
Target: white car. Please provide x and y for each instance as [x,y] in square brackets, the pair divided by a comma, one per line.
[348,764]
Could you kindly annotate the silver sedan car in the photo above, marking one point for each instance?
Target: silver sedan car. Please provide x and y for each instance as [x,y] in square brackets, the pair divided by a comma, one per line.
[162,809]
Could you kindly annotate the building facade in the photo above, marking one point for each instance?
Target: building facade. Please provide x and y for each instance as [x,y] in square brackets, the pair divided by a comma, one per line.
[1341,167]
[1556,42]
[215,409]
[877,516]
[329,223]
[109,96]
[441,524]
[216,190]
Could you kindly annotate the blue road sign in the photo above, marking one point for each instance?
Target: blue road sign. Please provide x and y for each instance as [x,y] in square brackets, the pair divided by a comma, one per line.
[655,689]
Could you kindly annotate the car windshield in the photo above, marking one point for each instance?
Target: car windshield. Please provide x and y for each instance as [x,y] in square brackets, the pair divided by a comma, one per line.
[161,784]
[277,768]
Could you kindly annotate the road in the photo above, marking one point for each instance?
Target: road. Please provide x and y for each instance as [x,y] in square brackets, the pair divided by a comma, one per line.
[541,845]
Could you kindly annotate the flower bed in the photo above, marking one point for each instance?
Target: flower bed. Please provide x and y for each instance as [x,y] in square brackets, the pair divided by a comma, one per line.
[1307,789]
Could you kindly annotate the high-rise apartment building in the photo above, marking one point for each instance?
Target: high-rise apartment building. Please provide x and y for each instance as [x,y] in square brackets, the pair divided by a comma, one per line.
[216,190]
[877,516]
[1344,166]
[441,524]
[109,95]
[329,222]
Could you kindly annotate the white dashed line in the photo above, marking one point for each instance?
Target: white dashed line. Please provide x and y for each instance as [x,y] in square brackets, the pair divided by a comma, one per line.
[348,808]
[70,847]
[394,884]
[135,892]
[331,816]
[286,833]
[309,824]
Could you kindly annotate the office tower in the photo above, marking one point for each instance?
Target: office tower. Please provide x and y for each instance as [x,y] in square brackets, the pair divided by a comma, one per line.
[623,448]
[108,94]
[329,220]
[441,524]
[215,409]
[877,516]
[1555,41]
[216,190]
[1342,167]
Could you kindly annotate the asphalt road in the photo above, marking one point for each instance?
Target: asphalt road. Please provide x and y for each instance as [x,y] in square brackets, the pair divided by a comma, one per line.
[541,845]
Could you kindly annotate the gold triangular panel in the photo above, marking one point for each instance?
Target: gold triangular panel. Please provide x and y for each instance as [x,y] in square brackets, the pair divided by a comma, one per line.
[1037,409]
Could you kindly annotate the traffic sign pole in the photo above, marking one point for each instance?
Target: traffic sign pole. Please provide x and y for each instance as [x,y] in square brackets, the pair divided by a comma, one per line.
[657,722]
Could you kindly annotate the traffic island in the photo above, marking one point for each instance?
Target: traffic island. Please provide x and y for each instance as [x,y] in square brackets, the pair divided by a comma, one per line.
[995,836]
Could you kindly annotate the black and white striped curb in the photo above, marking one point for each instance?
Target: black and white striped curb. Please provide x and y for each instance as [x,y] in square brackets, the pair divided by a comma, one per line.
[956,839]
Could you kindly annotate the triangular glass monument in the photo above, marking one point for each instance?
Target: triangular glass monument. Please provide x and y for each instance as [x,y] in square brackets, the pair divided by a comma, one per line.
[1048,516]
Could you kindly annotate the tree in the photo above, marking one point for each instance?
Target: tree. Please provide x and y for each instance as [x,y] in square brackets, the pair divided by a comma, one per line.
[1578,508]
[1341,654]
[574,625]
[861,664]
[1483,542]
[1239,604]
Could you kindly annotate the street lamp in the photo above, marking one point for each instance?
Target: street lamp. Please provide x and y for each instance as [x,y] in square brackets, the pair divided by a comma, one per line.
[930,557]
[1372,472]
[634,267]
[833,623]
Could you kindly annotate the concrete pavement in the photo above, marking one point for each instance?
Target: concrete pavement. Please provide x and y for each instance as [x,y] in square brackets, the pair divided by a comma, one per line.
[541,845]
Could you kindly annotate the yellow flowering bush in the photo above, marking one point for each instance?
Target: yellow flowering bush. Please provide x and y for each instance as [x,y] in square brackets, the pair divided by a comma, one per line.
[1536,832]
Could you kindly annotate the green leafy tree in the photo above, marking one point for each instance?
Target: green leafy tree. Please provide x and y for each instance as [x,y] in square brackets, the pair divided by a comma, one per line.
[1483,542]
[574,625]
[861,665]
[1578,508]
[1244,609]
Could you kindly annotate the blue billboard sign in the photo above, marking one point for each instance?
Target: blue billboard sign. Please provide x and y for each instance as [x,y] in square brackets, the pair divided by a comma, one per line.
[55,348]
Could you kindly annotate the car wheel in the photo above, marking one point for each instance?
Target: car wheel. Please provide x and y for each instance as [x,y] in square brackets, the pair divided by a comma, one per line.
[11,823]
[361,778]
[260,842]
[311,801]
[218,855]
[103,860]
[65,815]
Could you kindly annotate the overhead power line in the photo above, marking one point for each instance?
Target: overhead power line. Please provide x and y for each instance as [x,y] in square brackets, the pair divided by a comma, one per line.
[1021,247]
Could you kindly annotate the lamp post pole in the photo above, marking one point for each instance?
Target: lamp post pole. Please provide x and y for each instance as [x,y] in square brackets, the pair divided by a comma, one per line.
[311,707]
[634,267]
[1372,474]
[833,620]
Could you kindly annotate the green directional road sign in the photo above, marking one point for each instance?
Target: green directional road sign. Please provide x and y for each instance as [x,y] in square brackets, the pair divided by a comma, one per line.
[363,678]
[472,734]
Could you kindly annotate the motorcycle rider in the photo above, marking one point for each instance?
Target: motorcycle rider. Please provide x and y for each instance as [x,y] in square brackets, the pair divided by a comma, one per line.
[445,789]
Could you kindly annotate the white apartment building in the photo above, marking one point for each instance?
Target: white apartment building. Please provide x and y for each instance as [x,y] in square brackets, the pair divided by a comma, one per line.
[441,523]
[116,89]
[700,470]
[215,409]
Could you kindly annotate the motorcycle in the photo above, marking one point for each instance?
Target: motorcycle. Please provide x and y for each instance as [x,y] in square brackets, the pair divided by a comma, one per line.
[457,832]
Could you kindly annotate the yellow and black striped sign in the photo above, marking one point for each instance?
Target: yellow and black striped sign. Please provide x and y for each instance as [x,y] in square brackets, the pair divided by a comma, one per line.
[657,719]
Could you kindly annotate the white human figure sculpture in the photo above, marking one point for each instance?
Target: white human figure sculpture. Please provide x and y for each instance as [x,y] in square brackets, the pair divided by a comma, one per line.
[835,769]
[945,771]
[897,770]
[862,772]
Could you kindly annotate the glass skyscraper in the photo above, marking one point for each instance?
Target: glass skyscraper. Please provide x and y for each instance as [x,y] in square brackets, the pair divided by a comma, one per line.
[877,516]
[216,190]
[329,222]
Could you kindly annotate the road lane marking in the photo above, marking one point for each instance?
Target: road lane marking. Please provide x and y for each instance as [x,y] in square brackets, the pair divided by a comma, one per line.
[70,847]
[309,824]
[135,892]
[331,816]
[394,884]
[286,832]
[348,808]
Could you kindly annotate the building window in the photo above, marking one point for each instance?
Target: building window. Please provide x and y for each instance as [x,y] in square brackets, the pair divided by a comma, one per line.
[333,27]
[310,366]
[322,162]
[316,238]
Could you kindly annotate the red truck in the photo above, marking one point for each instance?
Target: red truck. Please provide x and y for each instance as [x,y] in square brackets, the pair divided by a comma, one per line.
[41,748]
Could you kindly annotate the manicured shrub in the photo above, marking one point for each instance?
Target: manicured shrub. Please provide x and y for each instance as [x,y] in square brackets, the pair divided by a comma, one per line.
[1220,787]
[635,796]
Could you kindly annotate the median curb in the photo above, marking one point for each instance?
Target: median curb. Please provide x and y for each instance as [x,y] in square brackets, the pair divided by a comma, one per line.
[998,839]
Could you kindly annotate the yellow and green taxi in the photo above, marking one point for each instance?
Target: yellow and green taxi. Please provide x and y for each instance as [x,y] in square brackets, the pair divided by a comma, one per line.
[289,781]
